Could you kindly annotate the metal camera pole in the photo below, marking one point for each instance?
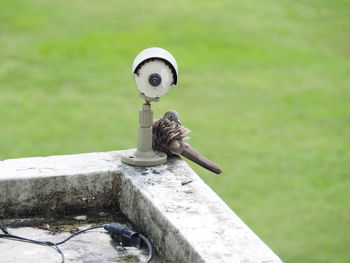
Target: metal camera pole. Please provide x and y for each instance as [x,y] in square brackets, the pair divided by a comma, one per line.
[144,154]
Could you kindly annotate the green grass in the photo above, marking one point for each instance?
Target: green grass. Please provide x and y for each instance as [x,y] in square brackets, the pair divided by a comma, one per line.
[264,86]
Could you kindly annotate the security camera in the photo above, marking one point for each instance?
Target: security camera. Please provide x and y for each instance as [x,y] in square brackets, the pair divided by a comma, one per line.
[155,72]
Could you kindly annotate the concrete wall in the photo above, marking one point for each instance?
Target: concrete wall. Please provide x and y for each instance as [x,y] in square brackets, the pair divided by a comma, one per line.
[183,217]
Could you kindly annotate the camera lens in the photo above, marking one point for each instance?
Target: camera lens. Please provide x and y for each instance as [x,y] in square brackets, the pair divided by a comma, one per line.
[154,80]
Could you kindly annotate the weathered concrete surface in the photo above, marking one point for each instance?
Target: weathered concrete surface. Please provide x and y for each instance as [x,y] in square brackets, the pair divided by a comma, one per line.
[179,211]
[57,185]
[184,218]
[90,247]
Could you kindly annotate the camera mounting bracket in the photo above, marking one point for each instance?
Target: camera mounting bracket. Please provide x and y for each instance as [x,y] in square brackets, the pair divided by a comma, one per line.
[144,154]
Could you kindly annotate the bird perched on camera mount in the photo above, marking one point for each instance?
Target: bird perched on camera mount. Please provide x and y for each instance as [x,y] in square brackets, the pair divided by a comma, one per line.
[169,136]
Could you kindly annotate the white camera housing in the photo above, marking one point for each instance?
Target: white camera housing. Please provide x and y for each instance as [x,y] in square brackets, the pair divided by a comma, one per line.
[155,71]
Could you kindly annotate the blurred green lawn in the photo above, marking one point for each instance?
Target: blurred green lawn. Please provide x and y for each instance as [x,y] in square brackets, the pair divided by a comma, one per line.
[264,86]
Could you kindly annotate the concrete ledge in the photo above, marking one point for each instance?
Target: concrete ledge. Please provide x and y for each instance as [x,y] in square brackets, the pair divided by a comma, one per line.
[184,218]
[57,185]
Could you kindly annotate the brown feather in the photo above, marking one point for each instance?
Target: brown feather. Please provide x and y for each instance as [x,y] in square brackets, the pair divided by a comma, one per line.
[169,137]
[199,159]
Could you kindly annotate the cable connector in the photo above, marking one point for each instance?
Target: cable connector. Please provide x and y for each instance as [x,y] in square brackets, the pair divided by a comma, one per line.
[120,233]
[129,238]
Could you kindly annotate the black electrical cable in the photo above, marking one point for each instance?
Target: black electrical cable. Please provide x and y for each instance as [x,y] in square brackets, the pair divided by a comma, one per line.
[77,233]
[55,245]
[149,246]
[3,229]
[43,243]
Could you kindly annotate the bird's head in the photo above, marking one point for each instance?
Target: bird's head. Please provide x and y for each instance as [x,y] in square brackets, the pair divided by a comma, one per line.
[172,116]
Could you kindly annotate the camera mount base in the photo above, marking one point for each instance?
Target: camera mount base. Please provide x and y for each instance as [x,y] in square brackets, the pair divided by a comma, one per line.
[144,154]
[132,157]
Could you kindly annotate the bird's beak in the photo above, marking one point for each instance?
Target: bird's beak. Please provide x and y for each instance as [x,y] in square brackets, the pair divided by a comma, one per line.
[178,121]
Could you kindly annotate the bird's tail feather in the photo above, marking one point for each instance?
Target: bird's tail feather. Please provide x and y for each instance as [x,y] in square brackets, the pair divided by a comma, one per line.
[194,156]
